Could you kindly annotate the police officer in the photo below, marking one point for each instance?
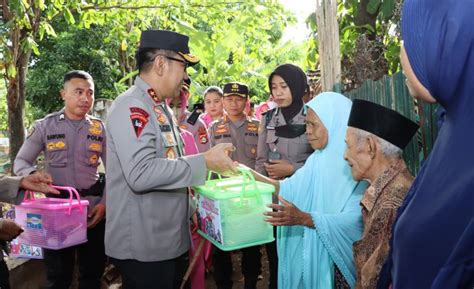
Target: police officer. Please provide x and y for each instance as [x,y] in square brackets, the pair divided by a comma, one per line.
[147,232]
[283,147]
[73,143]
[242,132]
[191,121]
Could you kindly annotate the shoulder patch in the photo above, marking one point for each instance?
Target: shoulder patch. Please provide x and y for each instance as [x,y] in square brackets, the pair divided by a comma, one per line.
[139,118]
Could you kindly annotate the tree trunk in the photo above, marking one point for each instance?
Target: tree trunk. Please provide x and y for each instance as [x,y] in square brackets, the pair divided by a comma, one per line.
[16,105]
[329,51]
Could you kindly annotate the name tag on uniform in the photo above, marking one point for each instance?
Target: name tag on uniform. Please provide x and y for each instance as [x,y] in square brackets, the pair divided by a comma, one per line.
[168,139]
[165,127]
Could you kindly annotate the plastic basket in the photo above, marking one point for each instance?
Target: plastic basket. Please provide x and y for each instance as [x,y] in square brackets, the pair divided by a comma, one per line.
[53,223]
[230,211]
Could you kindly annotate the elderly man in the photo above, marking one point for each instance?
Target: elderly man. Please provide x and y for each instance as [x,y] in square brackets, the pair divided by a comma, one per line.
[375,139]
[147,232]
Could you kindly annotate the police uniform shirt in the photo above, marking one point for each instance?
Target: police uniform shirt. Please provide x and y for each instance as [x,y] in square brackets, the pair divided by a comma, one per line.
[294,150]
[72,151]
[198,130]
[147,209]
[242,134]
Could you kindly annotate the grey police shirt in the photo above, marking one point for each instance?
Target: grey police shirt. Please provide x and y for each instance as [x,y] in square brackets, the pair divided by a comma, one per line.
[242,134]
[72,151]
[147,207]
[294,150]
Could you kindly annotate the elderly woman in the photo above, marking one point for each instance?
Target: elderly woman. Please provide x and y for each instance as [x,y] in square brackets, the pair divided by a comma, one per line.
[375,139]
[433,236]
[319,216]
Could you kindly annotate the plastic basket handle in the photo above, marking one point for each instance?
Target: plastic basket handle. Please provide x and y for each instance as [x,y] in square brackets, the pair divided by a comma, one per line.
[71,190]
[209,175]
[248,177]
[29,196]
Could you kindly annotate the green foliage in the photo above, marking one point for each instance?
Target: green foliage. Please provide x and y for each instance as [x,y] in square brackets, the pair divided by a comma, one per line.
[72,49]
[234,40]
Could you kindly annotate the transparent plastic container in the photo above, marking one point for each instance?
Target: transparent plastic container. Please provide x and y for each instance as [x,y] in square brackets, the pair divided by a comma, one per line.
[230,211]
[53,223]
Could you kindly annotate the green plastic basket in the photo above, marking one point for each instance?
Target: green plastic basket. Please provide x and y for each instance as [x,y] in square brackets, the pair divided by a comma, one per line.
[230,211]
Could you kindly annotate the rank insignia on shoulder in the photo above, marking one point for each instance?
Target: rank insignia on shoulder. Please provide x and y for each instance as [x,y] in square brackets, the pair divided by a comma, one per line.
[139,118]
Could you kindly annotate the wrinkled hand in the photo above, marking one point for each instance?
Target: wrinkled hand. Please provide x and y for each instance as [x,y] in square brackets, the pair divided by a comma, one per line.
[218,160]
[38,182]
[279,169]
[288,214]
[96,215]
[9,230]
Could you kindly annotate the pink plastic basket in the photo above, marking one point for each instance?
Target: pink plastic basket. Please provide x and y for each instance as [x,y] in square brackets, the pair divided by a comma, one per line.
[53,223]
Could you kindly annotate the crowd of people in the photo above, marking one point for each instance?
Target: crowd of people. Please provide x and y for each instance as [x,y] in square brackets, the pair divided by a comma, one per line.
[347,212]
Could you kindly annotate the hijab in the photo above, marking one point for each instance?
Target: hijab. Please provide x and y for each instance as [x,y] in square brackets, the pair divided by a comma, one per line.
[323,187]
[296,80]
[433,236]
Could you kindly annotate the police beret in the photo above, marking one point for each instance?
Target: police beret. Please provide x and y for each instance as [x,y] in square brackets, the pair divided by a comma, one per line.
[382,122]
[168,40]
[236,88]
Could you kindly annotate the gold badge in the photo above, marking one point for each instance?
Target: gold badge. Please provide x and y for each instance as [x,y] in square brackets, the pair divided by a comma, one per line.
[95,147]
[95,131]
[51,146]
[253,150]
[60,145]
[161,119]
[170,154]
[93,159]
[183,126]
[95,124]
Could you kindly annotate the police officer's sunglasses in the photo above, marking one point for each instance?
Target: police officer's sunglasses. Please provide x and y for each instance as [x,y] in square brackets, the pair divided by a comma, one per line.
[186,64]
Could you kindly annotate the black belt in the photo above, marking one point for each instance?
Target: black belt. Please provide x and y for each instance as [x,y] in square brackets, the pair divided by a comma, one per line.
[97,189]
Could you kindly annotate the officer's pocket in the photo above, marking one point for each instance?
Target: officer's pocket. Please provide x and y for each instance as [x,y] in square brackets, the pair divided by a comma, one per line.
[57,157]
[93,158]
[251,143]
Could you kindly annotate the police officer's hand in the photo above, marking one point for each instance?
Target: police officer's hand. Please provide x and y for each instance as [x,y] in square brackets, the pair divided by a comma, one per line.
[287,214]
[9,230]
[96,215]
[279,169]
[38,182]
[218,160]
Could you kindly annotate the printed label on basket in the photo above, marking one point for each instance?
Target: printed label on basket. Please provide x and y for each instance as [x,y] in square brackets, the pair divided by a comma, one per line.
[33,221]
[21,250]
[209,218]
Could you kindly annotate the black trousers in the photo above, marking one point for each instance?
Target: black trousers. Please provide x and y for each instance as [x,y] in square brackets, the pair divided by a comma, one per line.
[167,274]
[91,262]
[4,274]
[272,262]
[251,267]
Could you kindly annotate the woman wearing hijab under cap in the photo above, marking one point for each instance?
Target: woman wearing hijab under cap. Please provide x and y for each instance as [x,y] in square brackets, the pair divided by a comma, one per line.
[433,237]
[282,144]
[319,216]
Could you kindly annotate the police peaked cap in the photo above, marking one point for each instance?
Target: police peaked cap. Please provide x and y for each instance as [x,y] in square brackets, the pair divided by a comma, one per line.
[236,88]
[382,122]
[168,40]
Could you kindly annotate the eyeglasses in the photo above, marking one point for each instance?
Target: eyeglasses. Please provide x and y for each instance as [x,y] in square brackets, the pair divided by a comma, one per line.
[186,64]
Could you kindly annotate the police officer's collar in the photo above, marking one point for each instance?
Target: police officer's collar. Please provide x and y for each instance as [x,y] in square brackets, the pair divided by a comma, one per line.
[61,116]
[145,87]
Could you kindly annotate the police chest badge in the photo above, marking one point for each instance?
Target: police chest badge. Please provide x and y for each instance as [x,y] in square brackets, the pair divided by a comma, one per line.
[95,128]
[202,133]
[170,154]
[168,139]
[139,118]
[160,116]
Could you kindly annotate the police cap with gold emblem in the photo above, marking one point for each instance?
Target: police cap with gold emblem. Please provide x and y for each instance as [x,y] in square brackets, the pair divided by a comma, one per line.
[236,88]
[168,40]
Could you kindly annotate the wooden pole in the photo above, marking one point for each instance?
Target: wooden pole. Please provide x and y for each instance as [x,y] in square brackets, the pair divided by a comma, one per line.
[328,36]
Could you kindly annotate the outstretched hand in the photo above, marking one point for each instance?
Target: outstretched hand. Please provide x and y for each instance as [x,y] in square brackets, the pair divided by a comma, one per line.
[38,182]
[218,160]
[279,169]
[287,214]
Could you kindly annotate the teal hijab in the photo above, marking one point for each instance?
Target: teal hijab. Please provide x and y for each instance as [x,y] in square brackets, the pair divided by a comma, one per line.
[323,187]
